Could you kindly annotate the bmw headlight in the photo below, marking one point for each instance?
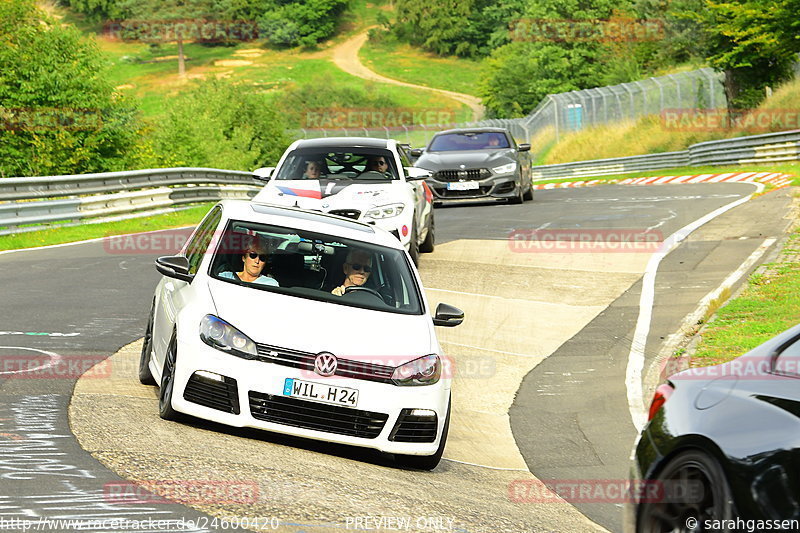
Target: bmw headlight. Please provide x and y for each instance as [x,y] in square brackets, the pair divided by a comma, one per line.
[220,335]
[385,211]
[505,169]
[423,371]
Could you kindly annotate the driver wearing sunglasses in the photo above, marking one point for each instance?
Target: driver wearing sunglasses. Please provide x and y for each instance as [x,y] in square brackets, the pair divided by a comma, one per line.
[377,164]
[357,268]
[254,260]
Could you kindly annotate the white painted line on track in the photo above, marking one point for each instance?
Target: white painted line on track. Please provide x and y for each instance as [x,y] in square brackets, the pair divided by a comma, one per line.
[490,349]
[633,372]
[54,358]
[504,298]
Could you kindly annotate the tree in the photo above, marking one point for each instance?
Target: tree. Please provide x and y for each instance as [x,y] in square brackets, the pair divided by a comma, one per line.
[754,43]
[556,46]
[58,112]
[216,123]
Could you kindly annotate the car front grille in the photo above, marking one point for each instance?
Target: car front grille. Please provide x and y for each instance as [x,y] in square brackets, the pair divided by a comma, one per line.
[348,213]
[316,416]
[472,193]
[468,174]
[410,428]
[219,395]
[347,368]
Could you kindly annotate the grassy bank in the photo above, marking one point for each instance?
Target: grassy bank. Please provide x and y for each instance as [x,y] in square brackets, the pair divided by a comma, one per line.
[60,235]
[766,306]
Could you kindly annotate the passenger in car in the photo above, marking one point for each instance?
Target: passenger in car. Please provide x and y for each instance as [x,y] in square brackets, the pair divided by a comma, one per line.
[254,259]
[357,268]
[314,170]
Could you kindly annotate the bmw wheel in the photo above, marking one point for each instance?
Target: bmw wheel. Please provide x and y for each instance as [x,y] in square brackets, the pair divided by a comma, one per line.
[692,489]
[145,376]
[165,409]
[528,196]
[413,246]
[429,243]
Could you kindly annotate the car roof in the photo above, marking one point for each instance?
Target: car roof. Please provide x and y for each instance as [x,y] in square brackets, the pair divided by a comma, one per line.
[304,219]
[349,142]
[474,130]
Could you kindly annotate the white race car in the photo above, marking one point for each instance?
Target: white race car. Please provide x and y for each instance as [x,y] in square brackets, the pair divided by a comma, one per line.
[370,180]
[301,323]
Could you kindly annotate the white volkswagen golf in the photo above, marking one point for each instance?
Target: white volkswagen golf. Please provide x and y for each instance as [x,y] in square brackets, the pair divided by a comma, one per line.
[301,323]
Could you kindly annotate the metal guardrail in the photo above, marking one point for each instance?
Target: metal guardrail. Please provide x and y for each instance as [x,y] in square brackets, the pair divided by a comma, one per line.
[36,201]
[766,148]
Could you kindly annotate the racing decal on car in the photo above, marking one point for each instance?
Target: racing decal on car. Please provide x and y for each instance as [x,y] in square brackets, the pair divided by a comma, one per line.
[305,193]
[428,192]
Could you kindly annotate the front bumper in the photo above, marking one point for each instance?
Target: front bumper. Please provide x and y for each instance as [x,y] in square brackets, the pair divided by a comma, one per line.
[496,187]
[252,396]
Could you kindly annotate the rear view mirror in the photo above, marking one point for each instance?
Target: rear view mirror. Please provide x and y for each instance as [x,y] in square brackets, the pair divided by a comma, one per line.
[416,152]
[416,173]
[447,315]
[264,173]
[524,147]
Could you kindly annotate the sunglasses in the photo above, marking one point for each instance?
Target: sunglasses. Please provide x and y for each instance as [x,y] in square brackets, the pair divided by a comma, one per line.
[360,267]
[253,255]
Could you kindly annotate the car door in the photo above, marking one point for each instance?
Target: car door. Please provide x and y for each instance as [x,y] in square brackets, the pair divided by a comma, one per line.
[172,293]
[421,207]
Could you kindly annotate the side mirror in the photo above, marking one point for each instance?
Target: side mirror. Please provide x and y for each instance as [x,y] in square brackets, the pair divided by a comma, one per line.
[416,152]
[525,147]
[447,315]
[263,174]
[174,266]
[416,173]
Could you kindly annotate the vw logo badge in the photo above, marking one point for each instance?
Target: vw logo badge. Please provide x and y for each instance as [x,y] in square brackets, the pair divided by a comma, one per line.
[325,364]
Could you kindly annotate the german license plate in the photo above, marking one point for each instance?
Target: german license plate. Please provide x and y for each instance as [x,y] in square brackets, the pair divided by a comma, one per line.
[462,185]
[319,392]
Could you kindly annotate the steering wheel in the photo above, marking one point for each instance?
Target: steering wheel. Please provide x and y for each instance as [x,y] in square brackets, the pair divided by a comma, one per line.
[360,288]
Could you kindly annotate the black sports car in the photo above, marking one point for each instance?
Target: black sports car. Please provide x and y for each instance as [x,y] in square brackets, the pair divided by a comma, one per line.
[477,164]
[722,448]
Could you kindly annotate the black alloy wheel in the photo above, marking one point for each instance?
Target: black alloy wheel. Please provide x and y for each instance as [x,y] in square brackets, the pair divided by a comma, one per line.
[165,409]
[690,490]
[413,247]
[145,376]
[429,243]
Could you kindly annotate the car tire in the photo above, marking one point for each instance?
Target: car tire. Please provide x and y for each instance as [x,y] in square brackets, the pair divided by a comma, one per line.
[413,246]
[519,198]
[667,513]
[167,387]
[528,196]
[145,376]
[429,243]
[427,462]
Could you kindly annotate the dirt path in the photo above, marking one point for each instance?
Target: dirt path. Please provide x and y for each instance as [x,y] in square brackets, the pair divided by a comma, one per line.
[345,56]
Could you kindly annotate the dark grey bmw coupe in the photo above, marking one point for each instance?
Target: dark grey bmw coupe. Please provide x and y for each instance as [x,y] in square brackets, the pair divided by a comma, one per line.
[477,165]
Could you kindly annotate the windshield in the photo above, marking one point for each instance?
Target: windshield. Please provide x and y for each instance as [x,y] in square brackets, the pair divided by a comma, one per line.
[317,267]
[452,142]
[339,164]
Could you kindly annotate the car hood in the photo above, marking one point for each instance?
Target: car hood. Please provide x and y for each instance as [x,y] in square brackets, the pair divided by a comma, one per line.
[312,326]
[328,195]
[454,160]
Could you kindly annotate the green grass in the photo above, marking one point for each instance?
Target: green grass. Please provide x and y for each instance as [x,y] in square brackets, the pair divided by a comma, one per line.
[405,63]
[60,235]
[767,306]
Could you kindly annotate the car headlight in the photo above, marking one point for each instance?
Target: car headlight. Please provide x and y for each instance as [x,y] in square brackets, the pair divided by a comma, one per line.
[423,371]
[505,169]
[385,211]
[220,335]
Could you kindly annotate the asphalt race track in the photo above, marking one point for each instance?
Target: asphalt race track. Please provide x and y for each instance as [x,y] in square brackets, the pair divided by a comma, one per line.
[539,394]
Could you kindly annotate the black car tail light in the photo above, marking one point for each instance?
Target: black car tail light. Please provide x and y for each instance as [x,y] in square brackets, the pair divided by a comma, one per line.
[663,392]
